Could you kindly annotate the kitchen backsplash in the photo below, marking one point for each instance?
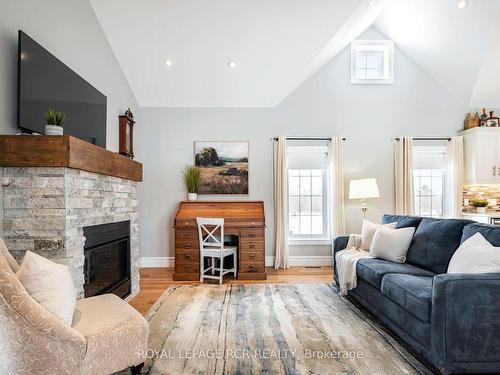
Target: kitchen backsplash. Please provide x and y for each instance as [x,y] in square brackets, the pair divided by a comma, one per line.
[490,192]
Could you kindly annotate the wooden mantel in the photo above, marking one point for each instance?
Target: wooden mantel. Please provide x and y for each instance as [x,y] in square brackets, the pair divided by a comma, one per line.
[65,151]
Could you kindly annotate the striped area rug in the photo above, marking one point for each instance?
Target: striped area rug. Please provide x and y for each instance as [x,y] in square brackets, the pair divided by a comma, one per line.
[268,329]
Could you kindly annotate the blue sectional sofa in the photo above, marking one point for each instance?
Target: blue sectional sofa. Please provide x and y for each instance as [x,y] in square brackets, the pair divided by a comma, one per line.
[452,320]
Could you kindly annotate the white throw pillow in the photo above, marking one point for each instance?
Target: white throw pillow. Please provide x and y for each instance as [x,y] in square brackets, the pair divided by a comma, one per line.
[49,284]
[475,255]
[368,231]
[8,256]
[392,244]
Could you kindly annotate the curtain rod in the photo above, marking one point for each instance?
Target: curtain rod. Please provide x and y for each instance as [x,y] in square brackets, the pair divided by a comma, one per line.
[307,139]
[426,139]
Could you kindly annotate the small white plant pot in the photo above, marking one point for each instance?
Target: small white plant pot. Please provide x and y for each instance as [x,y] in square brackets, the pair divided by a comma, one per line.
[53,130]
[192,196]
[481,210]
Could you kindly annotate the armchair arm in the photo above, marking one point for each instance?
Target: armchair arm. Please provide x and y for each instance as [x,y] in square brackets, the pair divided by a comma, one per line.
[466,317]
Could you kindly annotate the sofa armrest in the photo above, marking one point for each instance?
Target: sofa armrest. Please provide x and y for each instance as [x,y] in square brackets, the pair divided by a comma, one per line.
[466,317]
[339,243]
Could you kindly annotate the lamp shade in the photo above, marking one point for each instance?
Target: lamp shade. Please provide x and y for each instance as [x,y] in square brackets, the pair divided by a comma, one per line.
[364,188]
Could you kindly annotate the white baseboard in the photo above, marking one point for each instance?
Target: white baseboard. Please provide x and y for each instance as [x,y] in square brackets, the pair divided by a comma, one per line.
[294,261]
[156,262]
[304,261]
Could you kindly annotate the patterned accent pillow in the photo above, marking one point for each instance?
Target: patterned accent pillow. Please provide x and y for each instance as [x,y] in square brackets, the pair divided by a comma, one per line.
[8,257]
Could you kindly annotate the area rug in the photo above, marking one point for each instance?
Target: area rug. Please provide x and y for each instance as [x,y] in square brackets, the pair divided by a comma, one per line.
[268,329]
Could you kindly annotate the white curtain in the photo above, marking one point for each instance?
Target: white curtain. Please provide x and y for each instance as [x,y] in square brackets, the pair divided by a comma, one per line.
[454,177]
[336,170]
[403,180]
[281,203]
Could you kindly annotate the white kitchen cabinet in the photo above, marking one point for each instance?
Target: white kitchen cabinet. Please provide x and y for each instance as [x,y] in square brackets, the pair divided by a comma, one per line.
[481,155]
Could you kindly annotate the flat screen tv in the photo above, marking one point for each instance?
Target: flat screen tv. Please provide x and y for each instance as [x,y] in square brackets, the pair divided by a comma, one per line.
[46,83]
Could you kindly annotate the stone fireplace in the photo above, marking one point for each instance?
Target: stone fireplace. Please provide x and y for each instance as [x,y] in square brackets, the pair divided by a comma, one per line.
[45,210]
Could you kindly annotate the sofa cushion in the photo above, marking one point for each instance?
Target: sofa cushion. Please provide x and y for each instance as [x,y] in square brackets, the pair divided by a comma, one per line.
[403,221]
[373,270]
[489,232]
[434,243]
[411,292]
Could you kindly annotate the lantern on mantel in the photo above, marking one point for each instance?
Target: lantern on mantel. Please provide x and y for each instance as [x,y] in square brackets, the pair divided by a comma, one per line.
[127,134]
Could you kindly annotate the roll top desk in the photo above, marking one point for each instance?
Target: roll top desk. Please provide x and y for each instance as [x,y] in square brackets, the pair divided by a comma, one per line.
[244,219]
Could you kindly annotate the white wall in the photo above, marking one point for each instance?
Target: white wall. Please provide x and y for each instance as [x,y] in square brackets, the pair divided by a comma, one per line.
[69,30]
[327,104]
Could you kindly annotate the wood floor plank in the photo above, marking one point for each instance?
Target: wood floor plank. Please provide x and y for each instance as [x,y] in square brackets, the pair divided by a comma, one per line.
[154,281]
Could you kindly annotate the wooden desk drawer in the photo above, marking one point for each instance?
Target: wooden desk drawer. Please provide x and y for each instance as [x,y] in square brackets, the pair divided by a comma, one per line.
[252,234]
[251,257]
[183,257]
[251,246]
[192,267]
[187,244]
[186,234]
[251,267]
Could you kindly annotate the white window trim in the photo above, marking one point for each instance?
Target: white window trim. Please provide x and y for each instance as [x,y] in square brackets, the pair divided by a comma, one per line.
[388,46]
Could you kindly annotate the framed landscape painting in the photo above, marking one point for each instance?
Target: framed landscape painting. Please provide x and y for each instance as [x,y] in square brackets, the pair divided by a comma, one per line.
[224,167]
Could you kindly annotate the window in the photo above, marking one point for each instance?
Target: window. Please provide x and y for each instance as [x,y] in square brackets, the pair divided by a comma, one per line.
[307,191]
[429,178]
[372,61]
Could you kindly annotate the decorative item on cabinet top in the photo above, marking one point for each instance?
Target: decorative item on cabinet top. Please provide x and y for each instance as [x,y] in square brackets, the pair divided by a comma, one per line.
[483,120]
[244,219]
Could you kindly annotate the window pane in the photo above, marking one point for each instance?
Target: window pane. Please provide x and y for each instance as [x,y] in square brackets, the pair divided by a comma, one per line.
[437,206]
[293,203]
[294,225]
[305,225]
[425,204]
[317,186]
[374,62]
[305,185]
[293,172]
[316,225]
[374,74]
[317,172]
[425,185]
[437,185]
[360,61]
[360,73]
[305,205]
[293,185]
[317,205]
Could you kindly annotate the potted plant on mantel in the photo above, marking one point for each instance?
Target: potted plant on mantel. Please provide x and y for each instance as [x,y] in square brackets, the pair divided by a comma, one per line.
[192,178]
[480,205]
[54,122]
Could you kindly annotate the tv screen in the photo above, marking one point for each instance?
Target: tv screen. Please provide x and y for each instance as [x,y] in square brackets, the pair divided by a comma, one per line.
[46,83]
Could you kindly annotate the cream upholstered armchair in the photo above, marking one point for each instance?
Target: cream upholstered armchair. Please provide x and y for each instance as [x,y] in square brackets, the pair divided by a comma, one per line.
[107,334]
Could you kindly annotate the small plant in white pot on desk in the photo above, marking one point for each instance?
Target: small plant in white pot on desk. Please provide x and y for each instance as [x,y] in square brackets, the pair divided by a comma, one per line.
[480,205]
[54,122]
[192,178]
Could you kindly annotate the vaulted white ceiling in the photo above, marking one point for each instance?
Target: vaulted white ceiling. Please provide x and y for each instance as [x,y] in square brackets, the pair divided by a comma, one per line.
[276,44]
[451,44]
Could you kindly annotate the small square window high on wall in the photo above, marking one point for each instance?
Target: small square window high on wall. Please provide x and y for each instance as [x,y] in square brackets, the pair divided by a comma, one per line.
[372,62]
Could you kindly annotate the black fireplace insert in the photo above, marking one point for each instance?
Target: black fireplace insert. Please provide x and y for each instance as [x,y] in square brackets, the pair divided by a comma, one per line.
[107,259]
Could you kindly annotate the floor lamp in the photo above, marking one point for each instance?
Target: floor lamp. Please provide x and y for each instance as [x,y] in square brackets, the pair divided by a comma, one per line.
[363,189]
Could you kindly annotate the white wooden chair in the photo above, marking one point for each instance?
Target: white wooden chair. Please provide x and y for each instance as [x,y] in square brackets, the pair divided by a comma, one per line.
[211,236]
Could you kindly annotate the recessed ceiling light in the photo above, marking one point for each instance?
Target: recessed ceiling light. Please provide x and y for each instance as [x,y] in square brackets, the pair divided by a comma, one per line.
[461,4]
[231,64]
[168,63]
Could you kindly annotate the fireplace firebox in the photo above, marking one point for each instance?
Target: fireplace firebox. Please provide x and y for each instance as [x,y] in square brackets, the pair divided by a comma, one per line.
[107,259]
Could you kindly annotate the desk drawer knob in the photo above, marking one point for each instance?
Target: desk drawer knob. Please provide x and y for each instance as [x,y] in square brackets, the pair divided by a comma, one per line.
[251,235]
[187,235]
[251,256]
[187,268]
[187,246]
[251,246]
[187,256]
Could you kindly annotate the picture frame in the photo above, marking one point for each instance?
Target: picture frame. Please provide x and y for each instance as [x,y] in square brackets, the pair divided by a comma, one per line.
[224,167]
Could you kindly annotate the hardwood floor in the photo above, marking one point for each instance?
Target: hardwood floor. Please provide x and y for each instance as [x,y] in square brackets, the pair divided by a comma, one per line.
[154,281]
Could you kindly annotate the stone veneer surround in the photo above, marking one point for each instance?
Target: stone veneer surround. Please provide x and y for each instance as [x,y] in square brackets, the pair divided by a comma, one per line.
[45,210]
